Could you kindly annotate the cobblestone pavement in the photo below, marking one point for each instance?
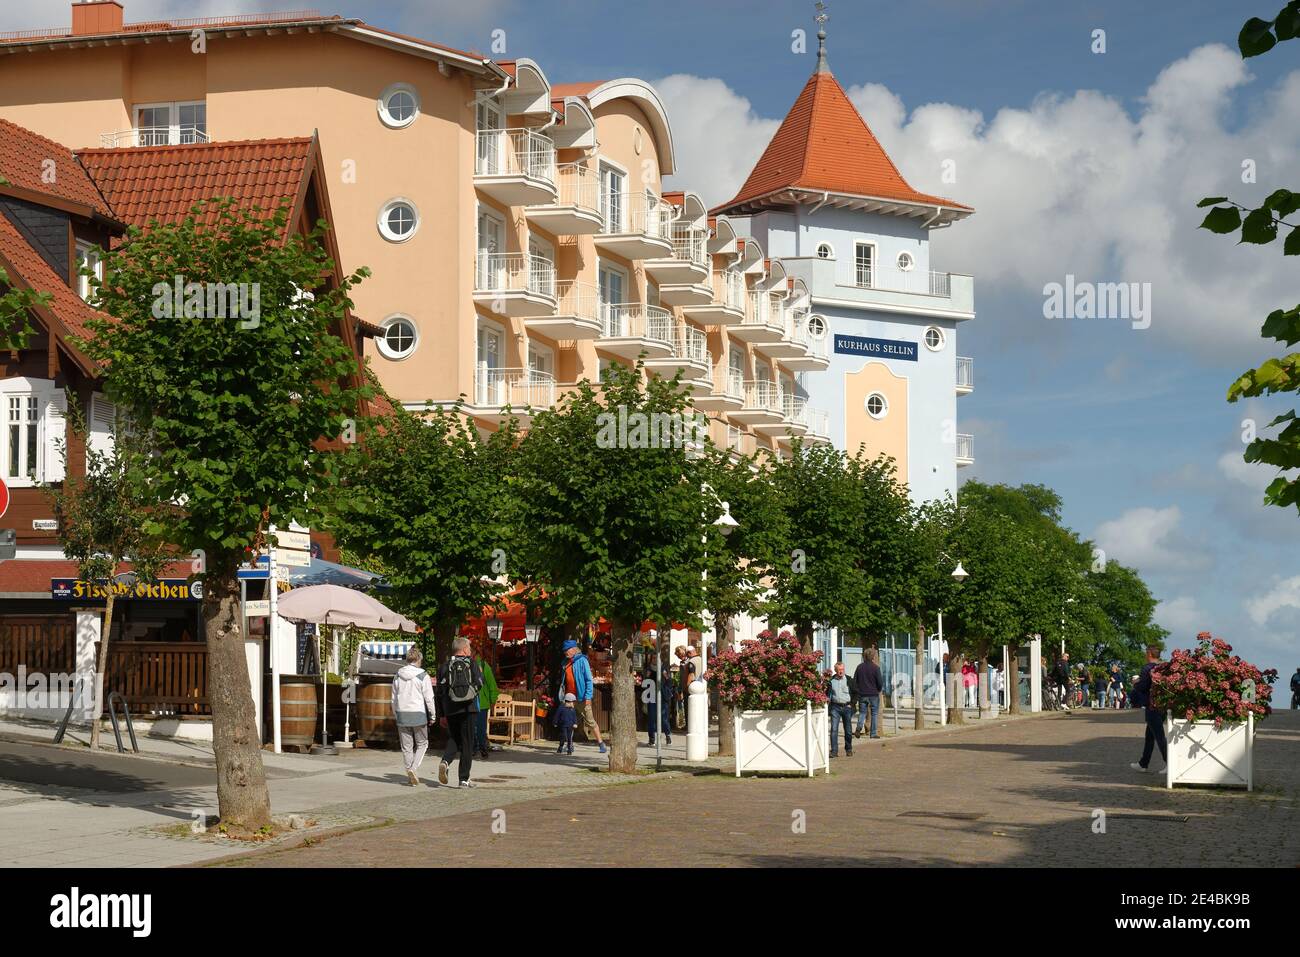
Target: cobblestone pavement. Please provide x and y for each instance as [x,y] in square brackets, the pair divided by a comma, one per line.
[1022,792]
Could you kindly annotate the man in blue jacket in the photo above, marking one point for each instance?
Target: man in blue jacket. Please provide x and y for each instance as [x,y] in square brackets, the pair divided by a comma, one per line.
[576,679]
[1141,697]
[869,682]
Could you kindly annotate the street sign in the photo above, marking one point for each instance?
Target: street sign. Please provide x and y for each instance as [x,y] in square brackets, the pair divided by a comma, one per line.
[298,541]
[4,498]
[257,609]
[281,573]
[45,525]
[291,556]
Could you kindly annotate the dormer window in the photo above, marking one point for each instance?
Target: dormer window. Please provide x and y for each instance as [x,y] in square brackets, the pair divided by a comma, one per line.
[88,257]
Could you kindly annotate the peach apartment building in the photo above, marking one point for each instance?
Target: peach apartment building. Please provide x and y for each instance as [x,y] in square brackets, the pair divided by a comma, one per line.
[518,231]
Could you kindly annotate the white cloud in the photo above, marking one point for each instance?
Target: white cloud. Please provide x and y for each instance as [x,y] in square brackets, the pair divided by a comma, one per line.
[1183,618]
[1072,183]
[1285,593]
[1150,540]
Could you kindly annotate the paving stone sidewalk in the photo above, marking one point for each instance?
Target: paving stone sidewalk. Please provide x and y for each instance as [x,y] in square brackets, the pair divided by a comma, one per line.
[1016,792]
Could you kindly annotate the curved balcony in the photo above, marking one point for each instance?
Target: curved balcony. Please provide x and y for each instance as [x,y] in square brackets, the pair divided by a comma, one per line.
[814,357]
[499,393]
[761,406]
[515,284]
[515,167]
[690,356]
[727,394]
[576,209]
[726,307]
[965,450]
[965,375]
[631,328]
[819,428]
[576,316]
[761,323]
[789,346]
[636,226]
[688,264]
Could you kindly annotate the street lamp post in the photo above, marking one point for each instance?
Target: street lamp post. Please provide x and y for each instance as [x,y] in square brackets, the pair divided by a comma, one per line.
[531,632]
[960,575]
[1068,601]
[697,740]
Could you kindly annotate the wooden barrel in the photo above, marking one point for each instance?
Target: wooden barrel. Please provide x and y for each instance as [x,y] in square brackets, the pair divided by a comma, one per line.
[298,713]
[375,712]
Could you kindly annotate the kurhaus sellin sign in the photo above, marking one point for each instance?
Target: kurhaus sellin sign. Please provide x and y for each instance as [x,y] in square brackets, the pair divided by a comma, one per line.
[881,348]
[166,589]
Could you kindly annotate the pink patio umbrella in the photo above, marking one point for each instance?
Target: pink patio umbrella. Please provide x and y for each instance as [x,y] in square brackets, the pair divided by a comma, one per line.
[339,607]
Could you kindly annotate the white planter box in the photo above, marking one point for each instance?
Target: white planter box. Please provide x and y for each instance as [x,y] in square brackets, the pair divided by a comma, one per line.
[783,740]
[1199,754]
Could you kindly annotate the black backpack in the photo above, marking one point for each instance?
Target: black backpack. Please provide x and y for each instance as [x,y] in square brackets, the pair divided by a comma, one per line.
[460,679]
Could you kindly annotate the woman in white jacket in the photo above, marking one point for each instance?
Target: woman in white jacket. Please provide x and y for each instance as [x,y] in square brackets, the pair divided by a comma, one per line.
[414,709]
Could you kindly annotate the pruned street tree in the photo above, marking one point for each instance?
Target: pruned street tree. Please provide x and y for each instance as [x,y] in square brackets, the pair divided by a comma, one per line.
[238,410]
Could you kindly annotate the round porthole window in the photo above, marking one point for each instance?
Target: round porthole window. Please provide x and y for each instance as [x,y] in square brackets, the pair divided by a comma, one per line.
[398,220]
[817,327]
[824,251]
[934,338]
[906,262]
[399,339]
[399,105]
[877,406]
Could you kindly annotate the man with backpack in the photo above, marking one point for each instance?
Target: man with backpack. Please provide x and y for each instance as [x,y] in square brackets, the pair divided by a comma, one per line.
[459,683]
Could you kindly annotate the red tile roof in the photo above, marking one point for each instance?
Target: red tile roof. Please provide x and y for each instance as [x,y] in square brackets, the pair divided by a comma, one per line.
[560,90]
[164,182]
[24,161]
[824,144]
[66,305]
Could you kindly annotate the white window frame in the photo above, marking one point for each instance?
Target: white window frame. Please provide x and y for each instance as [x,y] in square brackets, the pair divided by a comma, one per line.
[88,252]
[866,405]
[173,108]
[943,338]
[381,342]
[383,105]
[605,265]
[543,352]
[816,320]
[911,261]
[382,222]
[48,465]
[604,167]
[875,264]
[829,248]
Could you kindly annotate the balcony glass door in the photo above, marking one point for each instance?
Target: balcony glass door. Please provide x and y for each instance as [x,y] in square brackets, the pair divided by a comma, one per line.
[611,199]
[490,139]
[491,241]
[490,347]
[612,289]
[864,264]
[541,267]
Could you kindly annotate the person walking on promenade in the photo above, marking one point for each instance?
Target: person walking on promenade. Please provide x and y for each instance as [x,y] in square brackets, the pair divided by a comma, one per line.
[1141,698]
[839,698]
[1061,677]
[414,709]
[1295,689]
[868,681]
[970,684]
[566,719]
[1115,684]
[459,682]
[487,697]
[653,696]
[576,680]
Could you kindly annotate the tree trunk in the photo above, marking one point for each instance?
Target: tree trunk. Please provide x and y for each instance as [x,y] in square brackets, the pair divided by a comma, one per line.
[984,692]
[956,702]
[804,630]
[243,802]
[1011,680]
[101,669]
[622,716]
[443,633]
[918,679]
[723,628]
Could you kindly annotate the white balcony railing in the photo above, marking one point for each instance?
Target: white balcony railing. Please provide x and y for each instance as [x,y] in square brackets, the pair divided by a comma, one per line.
[637,213]
[153,136]
[515,153]
[819,422]
[763,394]
[690,244]
[965,372]
[761,311]
[517,388]
[514,272]
[579,187]
[965,447]
[636,320]
[692,344]
[927,281]
[735,439]
[729,382]
[794,408]
[579,299]
[800,333]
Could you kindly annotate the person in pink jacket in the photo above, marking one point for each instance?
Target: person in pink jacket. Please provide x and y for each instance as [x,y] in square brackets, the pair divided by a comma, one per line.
[970,681]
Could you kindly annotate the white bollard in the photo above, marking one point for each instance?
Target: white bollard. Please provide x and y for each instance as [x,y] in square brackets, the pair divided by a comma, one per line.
[697,721]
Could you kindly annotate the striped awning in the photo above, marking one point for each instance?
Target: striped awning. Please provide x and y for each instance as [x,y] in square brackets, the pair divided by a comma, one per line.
[387,650]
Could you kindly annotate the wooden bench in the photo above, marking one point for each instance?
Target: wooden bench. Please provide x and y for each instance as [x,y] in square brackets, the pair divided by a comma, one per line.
[515,716]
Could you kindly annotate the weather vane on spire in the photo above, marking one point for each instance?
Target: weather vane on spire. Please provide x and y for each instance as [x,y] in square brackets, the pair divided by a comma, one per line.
[822,17]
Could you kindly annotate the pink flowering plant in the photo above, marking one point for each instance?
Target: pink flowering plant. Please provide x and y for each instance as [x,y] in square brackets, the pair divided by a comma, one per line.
[771,674]
[1207,684]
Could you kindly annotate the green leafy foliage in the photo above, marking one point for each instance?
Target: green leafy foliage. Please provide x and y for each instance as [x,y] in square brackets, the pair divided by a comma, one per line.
[15,313]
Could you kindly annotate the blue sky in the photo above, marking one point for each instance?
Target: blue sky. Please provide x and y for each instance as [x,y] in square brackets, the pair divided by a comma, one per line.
[1078,163]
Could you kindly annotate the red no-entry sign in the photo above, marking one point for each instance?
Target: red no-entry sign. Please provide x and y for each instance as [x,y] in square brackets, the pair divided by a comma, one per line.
[4,498]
